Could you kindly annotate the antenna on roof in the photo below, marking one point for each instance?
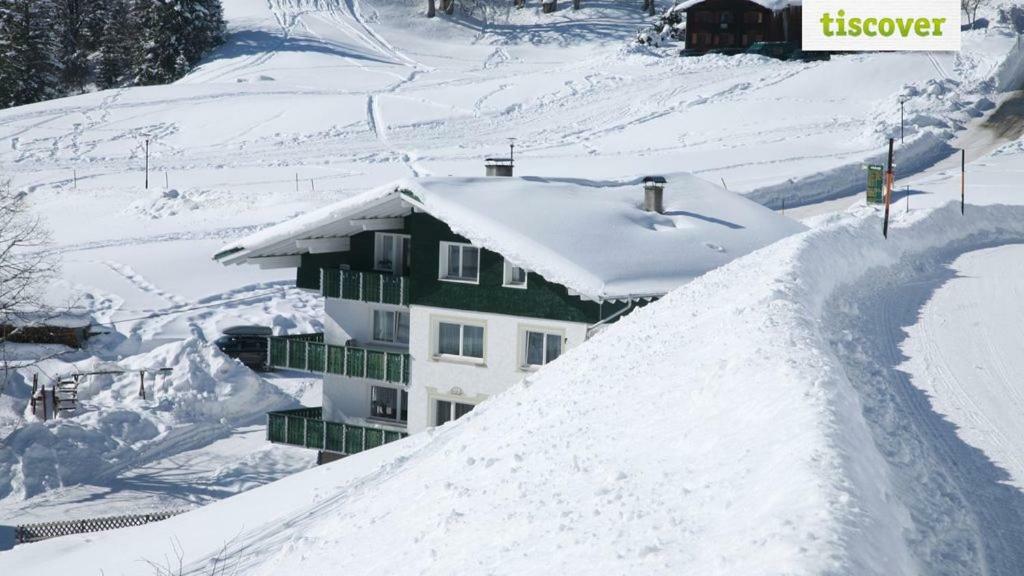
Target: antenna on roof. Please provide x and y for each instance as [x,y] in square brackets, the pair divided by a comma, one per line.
[512,151]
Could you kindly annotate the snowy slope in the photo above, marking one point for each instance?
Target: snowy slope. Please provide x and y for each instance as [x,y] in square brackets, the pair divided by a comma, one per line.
[754,421]
[314,100]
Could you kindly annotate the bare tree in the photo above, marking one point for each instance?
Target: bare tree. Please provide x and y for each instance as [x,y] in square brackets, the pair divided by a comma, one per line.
[970,8]
[431,9]
[26,265]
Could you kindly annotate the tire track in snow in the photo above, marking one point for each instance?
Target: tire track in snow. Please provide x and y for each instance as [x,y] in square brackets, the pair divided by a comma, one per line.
[966,519]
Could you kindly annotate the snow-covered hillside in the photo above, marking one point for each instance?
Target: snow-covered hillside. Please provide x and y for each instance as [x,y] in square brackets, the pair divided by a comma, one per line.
[756,422]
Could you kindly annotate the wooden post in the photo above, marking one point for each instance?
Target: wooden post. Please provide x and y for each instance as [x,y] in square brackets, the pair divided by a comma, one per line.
[53,401]
[889,181]
[142,384]
[147,163]
[963,179]
[35,387]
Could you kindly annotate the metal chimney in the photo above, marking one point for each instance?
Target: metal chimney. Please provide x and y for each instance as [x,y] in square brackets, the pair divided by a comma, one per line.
[654,194]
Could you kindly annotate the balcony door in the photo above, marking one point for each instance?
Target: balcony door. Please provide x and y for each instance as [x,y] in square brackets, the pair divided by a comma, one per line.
[391,253]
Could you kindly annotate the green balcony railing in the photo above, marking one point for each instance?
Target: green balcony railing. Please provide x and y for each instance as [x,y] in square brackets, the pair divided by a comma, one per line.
[306,427]
[365,286]
[307,352]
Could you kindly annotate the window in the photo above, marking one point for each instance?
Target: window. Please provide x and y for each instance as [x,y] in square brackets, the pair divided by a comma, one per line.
[707,17]
[753,17]
[391,253]
[541,347]
[515,277]
[384,403]
[445,411]
[391,326]
[460,262]
[463,340]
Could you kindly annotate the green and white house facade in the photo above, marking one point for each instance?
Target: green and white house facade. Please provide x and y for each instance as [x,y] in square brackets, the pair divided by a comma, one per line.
[442,292]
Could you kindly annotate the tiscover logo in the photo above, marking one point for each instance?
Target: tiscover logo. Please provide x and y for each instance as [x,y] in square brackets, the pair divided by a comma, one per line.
[881,25]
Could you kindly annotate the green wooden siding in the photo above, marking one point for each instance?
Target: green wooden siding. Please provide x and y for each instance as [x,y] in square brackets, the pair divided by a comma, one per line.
[541,299]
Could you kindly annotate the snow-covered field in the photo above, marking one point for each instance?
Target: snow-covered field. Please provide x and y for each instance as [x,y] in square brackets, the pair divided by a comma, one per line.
[773,417]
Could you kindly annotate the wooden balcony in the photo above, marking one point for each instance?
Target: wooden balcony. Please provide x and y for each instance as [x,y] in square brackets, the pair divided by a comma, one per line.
[308,352]
[306,427]
[365,286]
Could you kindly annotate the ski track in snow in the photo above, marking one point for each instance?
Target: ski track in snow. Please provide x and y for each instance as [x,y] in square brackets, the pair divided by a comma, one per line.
[968,519]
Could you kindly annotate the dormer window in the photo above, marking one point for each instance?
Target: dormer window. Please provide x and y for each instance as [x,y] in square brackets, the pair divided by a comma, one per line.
[459,263]
[515,276]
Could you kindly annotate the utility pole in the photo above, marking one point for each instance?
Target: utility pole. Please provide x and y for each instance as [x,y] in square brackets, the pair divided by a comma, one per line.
[963,179]
[903,101]
[889,181]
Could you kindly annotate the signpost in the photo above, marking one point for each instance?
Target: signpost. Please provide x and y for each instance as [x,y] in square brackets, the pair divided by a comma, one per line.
[890,179]
[876,184]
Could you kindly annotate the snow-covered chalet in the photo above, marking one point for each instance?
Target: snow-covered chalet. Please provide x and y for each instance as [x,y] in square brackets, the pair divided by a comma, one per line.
[442,292]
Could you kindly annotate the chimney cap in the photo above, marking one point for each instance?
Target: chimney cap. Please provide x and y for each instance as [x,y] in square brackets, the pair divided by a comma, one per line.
[655,180]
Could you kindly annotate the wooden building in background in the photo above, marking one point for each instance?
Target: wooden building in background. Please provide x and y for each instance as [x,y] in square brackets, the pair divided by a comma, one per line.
[737,24]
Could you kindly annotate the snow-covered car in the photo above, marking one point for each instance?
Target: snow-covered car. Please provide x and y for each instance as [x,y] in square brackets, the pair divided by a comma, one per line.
[248,344]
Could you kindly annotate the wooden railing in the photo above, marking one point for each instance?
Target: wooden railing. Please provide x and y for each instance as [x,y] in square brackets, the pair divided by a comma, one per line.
[308,352]
[365,286]
[305,427]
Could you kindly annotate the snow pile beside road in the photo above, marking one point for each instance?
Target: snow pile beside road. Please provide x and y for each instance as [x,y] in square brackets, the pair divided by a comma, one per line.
[115,429]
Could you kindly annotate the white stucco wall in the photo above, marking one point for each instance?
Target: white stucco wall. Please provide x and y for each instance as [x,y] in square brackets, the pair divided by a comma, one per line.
[353,319]
[434,378]
[344,397]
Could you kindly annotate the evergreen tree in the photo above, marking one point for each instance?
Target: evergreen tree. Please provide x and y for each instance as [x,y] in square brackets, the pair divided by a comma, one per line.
[30,45]
[53,47]
[119,44]
[164,33]
[73,52]
[8,74]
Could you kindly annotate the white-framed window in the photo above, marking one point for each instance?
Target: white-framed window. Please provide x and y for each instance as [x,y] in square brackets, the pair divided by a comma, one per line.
[391,253]
[515,276]
[539,346]
[459,263]
[448,410]
[389,403]
[390,326]
[458,339]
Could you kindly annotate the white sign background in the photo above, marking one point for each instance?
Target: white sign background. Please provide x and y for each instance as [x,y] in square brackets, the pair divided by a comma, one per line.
[814,37]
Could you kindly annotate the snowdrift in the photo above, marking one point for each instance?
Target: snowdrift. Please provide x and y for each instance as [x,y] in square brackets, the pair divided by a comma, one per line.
[715,432]
[200,401]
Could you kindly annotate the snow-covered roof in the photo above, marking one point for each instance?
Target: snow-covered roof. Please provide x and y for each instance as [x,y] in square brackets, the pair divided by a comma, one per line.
[592,237]
[769,4]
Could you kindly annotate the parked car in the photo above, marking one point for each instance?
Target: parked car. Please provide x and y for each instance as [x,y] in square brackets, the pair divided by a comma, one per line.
[246,343]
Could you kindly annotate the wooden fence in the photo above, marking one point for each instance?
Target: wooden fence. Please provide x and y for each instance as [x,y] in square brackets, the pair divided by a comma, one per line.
[36,532]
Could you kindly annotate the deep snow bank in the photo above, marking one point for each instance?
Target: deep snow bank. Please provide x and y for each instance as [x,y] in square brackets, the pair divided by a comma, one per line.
[199,401]
[715,432]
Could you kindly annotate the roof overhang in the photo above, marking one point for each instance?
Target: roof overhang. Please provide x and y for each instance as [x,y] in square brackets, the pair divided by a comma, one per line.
[283,248]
